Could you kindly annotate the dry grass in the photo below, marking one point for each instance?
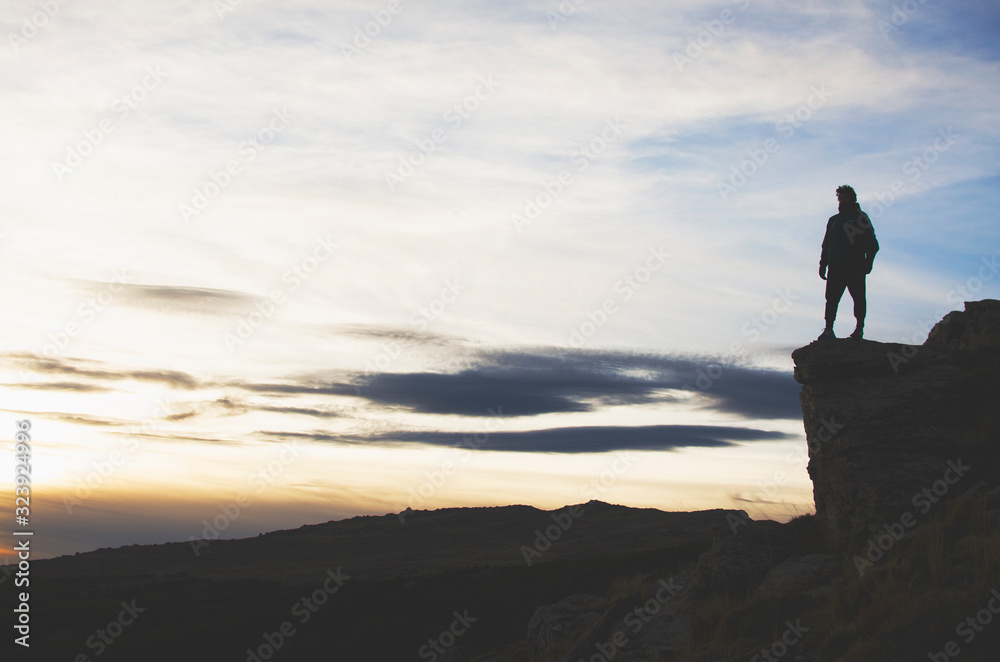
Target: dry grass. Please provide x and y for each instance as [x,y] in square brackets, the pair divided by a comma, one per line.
[916,596]
[623,587]
[900,609]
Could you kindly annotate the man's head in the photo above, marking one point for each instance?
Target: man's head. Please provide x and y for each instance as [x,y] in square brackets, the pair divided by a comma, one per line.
[846,194]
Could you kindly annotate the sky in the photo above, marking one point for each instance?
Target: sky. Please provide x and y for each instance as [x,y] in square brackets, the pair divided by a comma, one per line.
[273,264]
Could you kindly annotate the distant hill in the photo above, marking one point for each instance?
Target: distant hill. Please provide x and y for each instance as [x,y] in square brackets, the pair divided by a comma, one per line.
[404,577]
[411,543]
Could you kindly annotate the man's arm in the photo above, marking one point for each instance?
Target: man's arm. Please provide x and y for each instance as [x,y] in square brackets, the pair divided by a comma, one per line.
[824,253]
[872,247]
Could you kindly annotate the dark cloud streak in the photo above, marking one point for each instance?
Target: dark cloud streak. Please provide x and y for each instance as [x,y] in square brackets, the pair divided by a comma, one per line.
[545,381]
[565,440]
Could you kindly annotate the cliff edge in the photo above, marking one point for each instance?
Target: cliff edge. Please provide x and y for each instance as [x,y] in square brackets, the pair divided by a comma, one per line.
[893,428]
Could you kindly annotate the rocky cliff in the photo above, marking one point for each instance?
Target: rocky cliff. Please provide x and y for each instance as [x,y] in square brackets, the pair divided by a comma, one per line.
[893,429]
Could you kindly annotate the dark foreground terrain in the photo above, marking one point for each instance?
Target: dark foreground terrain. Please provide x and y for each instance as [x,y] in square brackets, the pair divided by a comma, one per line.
[368,588]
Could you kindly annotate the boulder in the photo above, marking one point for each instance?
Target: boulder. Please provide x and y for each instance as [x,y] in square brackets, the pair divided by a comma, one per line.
[739,560]
[977,327]
[798,574]
[551,625]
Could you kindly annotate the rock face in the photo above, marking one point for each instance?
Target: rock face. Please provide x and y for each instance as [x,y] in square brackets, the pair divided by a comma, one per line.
[552,625]
[798,574]
[976,328]
[739,561]
[888,425]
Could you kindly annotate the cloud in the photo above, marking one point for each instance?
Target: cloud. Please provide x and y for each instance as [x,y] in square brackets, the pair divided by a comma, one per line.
[592,439]
[172,378]
[83,419]
[187,299]
[545,381]
[78,387]
[402,335]
[80,419]
[240,408]
[90,369]
[180,416]
[304,411]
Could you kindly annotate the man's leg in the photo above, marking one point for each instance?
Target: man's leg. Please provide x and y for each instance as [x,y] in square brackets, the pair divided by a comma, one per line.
[856,286]
[835,284]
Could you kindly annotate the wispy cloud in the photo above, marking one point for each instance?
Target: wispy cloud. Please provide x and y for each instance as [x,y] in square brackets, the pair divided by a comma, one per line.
[94,371]
[574,439]
[172,378]
[187,299]
[240,407]
[78,387]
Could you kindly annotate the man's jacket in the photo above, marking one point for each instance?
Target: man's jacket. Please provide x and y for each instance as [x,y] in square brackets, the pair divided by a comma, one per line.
[850,243]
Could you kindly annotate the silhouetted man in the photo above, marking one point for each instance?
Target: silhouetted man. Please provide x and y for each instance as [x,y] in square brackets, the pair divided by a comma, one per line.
[849,249]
